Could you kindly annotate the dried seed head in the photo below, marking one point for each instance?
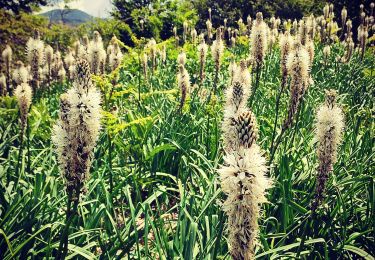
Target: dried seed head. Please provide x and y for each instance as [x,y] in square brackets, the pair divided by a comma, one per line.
[246,129]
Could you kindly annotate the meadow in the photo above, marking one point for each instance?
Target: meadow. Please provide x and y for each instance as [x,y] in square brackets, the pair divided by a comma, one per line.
[154,189]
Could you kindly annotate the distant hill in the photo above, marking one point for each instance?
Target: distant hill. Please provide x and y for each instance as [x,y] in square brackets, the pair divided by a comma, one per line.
[71,17]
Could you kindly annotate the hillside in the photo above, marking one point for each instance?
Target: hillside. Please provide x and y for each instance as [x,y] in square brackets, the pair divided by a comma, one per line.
[71,17]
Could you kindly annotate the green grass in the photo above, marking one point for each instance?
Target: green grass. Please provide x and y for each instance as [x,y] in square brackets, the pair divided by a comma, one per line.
[165,199]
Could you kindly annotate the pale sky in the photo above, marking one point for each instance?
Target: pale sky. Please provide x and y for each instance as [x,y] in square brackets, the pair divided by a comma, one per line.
[97,8]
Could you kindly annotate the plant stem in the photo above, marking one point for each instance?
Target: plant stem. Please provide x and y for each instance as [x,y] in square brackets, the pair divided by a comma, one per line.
[277,111]
[70,214]
[257,77]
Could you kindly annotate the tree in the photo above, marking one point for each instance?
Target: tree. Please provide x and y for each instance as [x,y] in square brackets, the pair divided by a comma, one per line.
[16,6]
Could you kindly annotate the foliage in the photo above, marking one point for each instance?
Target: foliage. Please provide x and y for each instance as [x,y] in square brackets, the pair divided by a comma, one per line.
[165,199]
[17,6]
[159,17]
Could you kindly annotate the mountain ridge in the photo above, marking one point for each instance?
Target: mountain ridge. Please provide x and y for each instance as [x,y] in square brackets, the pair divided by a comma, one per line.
[70,16]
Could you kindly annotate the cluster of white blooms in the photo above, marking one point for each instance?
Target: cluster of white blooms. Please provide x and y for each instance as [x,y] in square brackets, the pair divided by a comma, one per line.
[259,40]
[114,54]
[183,81]
[298,65]
[76,131]
[244,181]
[202,54]
[3,85]
[35,56]
[69,61]
[329,129]
[96,54]
[24,94]
[20,74]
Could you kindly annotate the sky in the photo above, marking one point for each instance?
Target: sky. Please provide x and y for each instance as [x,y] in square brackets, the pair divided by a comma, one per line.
[97,8]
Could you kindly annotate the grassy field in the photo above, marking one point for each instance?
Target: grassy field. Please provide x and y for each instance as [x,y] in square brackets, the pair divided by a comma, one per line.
[154,191]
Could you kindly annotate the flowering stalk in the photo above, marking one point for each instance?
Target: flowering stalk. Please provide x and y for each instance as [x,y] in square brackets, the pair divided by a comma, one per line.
[7,55]
[74,136]
[259,44]
[298,69]
[244,182]
[3,85]
[236,97]
[183,81]
[49,57]
[35,55]
[23,94]
[96,54]
[202,54]
[329,127]
[217,50]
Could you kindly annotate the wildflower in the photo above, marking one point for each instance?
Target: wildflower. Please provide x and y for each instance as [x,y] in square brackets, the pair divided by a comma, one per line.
[202,54]
[298,68]
[362,38]
[23,94]
[114,54]
[183,81]
[236,97]
[233,42]
[57,65]
[181,59]
[96,54]
[248,23]
[7,59]
[77,129]
[193,36]
[35,56]
[217,51]
[329,128]
[244,182]
[259,39]
[69,61]
[3,85]
[49,56]
[209,29]
[185,30]
[20,74]
[326,53]
[344,15]
[311,50]
[286,46]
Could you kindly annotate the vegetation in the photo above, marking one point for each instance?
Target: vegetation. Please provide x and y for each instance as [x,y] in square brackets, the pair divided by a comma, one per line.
[176,121]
